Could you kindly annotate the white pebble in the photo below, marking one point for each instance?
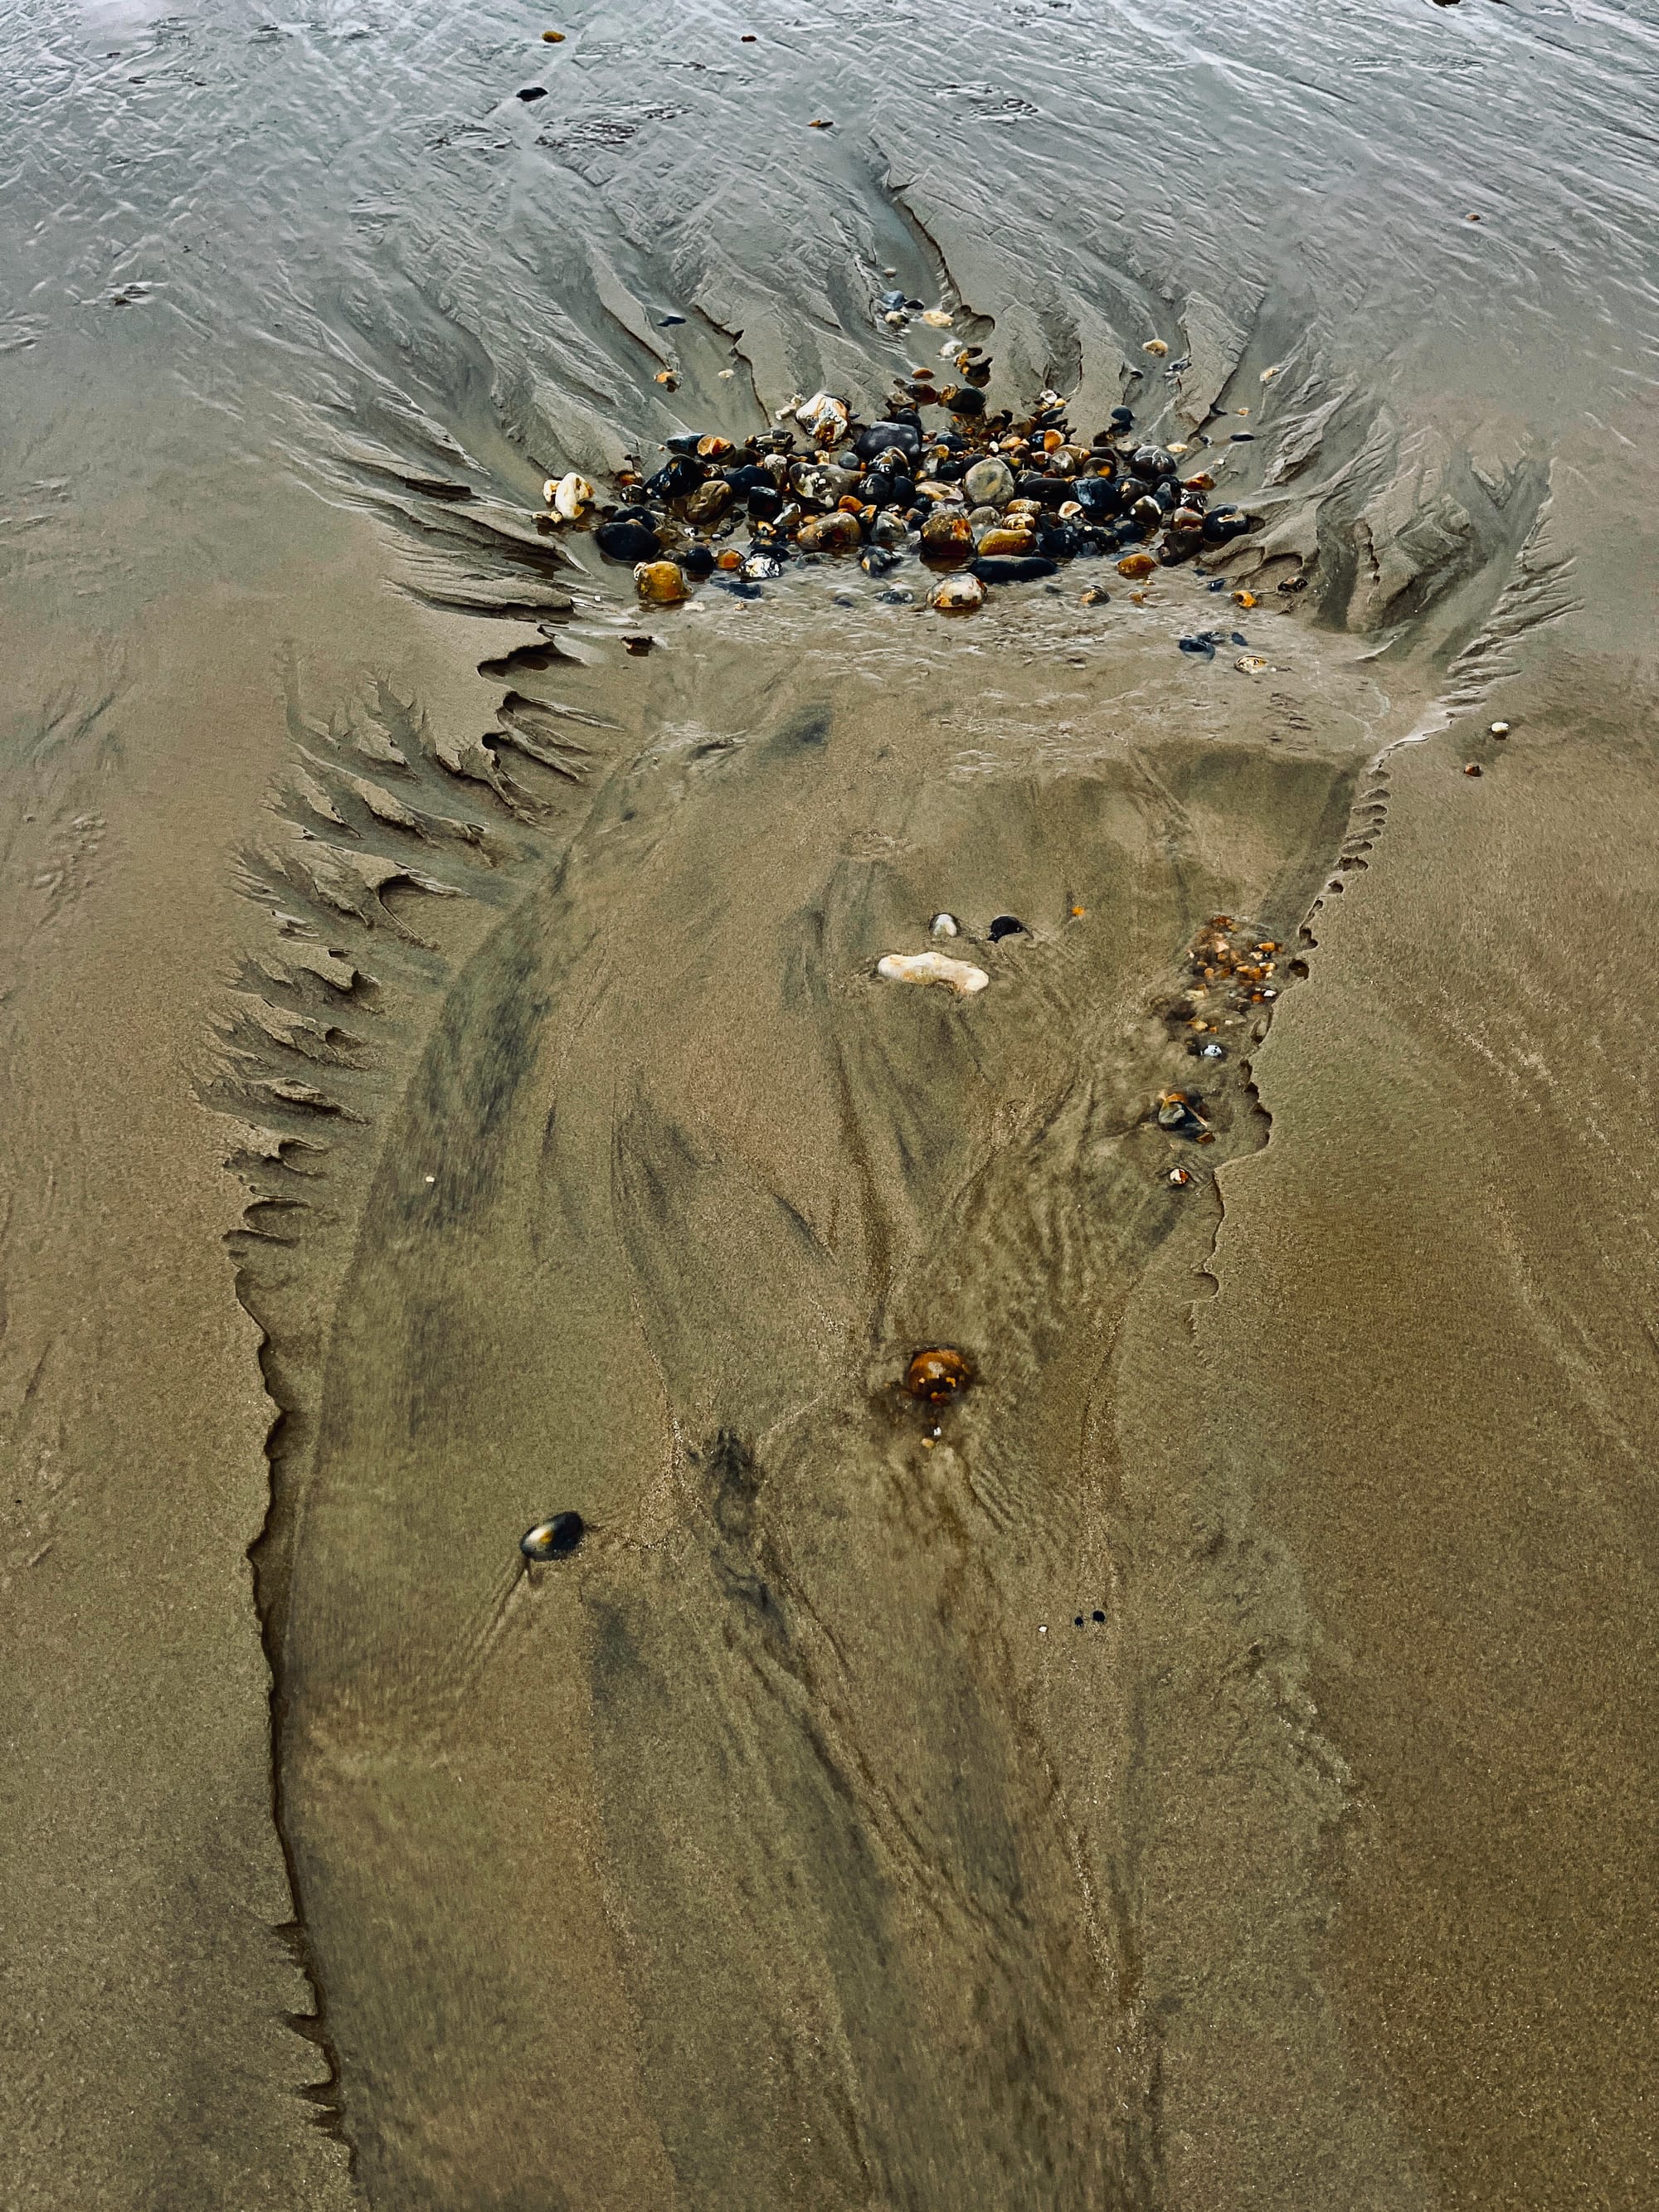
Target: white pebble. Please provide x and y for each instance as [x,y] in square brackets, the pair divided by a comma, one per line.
[1498,729]
[944,925]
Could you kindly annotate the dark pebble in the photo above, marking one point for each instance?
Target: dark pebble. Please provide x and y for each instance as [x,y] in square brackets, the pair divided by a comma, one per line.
[699,562]
[1012,568]
[684,442]
[533,92]
[627,541]
[1153,461]
[965,399]
[739,586]
[881,435]
[670,322]
[1005,925]
[1243,437]
[556,1538]
[1197,645]
[1097,1616]
[1121,418]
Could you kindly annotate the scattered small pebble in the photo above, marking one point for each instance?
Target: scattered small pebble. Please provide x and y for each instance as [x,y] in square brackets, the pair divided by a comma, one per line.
[1472,768]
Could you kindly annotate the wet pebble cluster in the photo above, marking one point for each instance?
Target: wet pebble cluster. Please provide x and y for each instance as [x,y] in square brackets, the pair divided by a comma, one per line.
[1232,971]
[979,500]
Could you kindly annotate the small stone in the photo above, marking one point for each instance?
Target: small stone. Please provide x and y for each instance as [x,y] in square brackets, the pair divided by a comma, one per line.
[1006,925]
[831,534]
[1498,730]
[938,1374]
[937,318]
[944,925]
[1136,564]
[627,541]
[639,645]
[708,502]
[957,595]
[947,538]
[556,1538]
[661,581]
[1472,768]
[1249,663]
[989,483]
[959,975]
[1014,568]
[1179,1177]
[1245,600]
[1155,347]
[1002,540]
[552,37]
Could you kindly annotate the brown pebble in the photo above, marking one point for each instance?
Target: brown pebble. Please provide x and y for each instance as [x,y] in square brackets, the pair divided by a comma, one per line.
[938,1374]
[552,37]
[1472,768]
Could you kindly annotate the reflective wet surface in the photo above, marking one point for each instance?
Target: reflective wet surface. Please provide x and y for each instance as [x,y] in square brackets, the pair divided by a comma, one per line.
[1144,1778]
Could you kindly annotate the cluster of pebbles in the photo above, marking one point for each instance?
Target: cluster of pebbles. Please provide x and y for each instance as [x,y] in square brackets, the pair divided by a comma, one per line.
[984,500]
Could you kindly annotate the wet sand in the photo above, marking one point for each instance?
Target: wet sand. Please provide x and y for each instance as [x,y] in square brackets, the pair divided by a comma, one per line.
[793,1842]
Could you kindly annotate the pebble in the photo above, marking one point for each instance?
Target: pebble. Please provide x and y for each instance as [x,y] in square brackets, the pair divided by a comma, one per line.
[1472,768]
[632,542]
[957,595]
[1004,497]
[556,1538]
[1498,730]
[938,1374]
[1155,347]
[662,581]
[932,968]
[1006,925]
[1249,663]
[989,483]
[944,925]
[570,497]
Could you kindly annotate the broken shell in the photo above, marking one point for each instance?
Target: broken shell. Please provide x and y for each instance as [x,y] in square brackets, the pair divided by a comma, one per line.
[667,378]
[661,580]
[1155,347]
[938,1374]
[571,496]
[957,595]
[1249,663]
[1136,564]
[823,417]
[932,968]
[1181,1177]
[944,925]
[556,1538]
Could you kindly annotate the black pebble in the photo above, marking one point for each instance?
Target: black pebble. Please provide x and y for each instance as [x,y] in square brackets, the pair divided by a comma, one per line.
[627,541]
[699,562]
[1077,1623]
[565,1532]
[533,92]
[1012,568]
[670,322]
[1099,1616]
[1006,926]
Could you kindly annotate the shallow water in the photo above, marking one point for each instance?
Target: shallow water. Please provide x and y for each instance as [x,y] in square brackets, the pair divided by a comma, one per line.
[790,1843]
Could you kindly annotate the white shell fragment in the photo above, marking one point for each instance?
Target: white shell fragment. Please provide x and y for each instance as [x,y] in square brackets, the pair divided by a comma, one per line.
[569,496]
[944,925]
[932,968]
[823,417]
